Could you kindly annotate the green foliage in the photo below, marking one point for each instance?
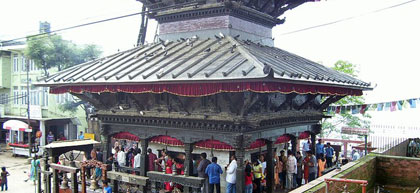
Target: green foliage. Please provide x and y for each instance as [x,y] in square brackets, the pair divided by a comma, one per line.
[53,51]
[334,124]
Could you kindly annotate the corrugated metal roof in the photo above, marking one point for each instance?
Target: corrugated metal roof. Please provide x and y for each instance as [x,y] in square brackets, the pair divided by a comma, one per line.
[195,59]
[70,143]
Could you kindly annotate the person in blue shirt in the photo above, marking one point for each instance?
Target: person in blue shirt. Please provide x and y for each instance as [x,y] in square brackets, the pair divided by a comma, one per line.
[107,189]
[329,154]
[319,148]
[81,136]
[214,171]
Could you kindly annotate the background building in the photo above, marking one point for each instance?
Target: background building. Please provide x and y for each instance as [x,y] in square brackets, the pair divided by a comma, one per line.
[45,112]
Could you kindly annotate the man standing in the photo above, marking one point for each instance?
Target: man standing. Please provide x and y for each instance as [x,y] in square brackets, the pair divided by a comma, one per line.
[50,137]
[283,159]
[291,167]
[214,171]
[306,147]
[231,175]
[312,164]
[81,136]
[319,149]
[329,154]
[99,155]
[151,157]
[201,169]
[299,174]
[120,157]
[137,160]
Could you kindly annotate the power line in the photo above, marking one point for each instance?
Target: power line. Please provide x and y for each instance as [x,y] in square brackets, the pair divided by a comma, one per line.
[347,18]
[75,26]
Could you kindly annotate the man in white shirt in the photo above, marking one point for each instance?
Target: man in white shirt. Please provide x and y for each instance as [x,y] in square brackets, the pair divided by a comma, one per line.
[231,175]
[306,147]
[137,158]
[291,167]
[121,158]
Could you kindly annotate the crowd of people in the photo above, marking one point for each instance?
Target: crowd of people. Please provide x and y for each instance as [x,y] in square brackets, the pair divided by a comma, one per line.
[291,170]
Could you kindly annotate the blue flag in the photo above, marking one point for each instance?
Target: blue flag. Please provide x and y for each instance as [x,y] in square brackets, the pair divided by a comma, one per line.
[380,106]
[412,103]
[399,105]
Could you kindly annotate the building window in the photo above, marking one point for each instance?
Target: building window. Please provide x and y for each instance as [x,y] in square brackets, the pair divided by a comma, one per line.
[44,96]
[4,98]
[15,95]
[15,63]
[23,63]
[24,92]
[32,66]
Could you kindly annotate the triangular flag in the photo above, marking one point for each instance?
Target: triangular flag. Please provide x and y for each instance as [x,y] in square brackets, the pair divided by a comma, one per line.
[387,106]
[412,103]
[393,106]
[399,105]
[373,107]
[406,104]
[337,109]
[363,109]
[380,106]
[354,110]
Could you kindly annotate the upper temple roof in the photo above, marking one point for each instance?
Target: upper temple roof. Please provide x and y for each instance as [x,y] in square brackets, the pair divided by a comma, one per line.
[219,59]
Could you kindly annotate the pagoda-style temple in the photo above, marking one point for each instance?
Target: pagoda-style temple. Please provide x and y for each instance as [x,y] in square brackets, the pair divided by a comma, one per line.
[214,75]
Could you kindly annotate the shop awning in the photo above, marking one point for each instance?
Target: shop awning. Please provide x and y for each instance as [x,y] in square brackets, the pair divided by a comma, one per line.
[167,140]
[214,144]
[16,125]
[126,135]
[282,139]
[257,144]
[304,135]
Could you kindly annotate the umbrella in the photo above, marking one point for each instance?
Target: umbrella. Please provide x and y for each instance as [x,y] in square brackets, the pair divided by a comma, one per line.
[214,144]
[167,140]
[126,135]
[16,125]
[282,139]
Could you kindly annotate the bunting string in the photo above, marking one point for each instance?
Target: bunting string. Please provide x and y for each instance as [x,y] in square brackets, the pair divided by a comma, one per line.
[391,106]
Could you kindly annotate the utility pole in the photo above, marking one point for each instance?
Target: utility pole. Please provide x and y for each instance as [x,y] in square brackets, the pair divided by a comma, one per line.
[143,27]
[29,113]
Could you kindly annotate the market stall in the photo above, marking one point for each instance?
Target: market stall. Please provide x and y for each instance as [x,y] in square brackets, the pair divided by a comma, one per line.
[18,138]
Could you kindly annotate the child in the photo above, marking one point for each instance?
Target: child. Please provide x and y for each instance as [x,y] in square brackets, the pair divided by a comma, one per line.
[107,189]
[4,175]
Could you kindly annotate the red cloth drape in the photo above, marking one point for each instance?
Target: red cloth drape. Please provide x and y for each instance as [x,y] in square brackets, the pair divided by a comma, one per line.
[257,144]
[126,135]
[304,135]
[204,89]
[214,144]
[282,139]
[167,140]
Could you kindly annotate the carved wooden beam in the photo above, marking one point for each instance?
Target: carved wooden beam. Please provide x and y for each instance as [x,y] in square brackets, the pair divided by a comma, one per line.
[248,103]
[289,99]
[97,103]
[331,99]
[307,102]
[232,107]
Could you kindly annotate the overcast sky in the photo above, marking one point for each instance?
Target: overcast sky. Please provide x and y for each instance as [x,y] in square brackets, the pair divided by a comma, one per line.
[385,44]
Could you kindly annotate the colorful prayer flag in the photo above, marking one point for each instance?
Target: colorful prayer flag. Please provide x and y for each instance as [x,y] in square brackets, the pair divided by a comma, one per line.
[380,106]
[412,103]
[399,105]
[337,110]
[363,109]
[405,104]
[393,106]
[387,106]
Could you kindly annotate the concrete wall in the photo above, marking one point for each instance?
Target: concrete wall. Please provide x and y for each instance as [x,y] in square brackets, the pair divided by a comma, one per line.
[400,171]
[364,170]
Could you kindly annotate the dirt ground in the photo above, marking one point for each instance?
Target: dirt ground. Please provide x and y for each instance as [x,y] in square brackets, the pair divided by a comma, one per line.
[18,167]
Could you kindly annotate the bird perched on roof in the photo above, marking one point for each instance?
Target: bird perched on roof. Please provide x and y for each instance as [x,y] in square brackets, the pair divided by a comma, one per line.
[221,35]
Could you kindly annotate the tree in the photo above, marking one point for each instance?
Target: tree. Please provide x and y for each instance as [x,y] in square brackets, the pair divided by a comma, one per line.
[333,125]
[51,50]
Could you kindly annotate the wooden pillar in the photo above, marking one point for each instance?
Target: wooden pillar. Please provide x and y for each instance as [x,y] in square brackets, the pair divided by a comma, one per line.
[106,147]
[188,159]
[240,170]
[56,185]
[270,167]
[83,176]
[115,186]
[293,141]
[47,176]
[74,184]
[313,143]
[144,143]
[345,150]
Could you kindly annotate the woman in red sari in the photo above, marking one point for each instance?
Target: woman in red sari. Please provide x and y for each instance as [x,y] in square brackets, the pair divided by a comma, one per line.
[168,170]
[179,166]
[306,169]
